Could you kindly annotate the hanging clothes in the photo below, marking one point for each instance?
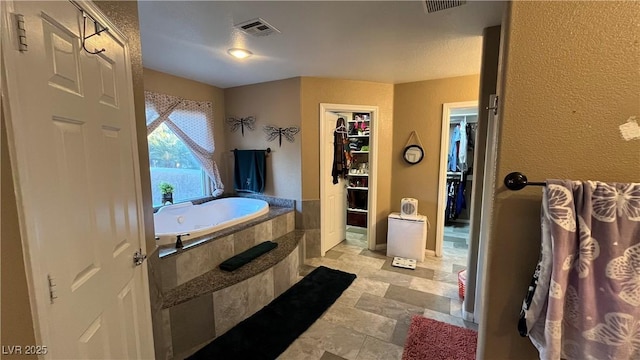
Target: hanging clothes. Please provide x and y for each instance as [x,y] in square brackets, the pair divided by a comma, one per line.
[461,201]
[584,300]
[462,149]
[471,136]
[454,144]
[456,198]
[340,167]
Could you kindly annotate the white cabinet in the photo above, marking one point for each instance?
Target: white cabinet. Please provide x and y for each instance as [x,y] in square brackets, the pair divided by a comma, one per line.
[407,238]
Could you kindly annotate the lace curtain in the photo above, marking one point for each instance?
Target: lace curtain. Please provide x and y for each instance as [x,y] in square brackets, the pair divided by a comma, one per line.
[192,122]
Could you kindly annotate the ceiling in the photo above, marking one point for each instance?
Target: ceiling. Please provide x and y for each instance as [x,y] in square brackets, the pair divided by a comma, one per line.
[381,41]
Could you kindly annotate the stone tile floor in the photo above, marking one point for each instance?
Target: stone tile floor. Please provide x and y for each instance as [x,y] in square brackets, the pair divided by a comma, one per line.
[371,318]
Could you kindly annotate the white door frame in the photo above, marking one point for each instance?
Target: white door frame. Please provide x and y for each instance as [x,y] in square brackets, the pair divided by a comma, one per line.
[373,167]
[442,182]
[488,198]
[35,273]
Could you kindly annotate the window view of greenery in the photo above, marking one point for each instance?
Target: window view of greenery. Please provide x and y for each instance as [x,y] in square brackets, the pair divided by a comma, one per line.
[172,162]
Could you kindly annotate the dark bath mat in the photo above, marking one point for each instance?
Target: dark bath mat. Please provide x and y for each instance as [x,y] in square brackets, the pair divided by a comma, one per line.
[269,332]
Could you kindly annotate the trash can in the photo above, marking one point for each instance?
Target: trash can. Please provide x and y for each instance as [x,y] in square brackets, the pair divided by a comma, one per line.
[462,282]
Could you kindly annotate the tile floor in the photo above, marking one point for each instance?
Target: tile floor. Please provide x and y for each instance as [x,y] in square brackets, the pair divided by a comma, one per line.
[371,318]
[458,234]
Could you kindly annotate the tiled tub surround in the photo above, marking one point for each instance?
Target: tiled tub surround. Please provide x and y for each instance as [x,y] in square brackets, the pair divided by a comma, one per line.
[274,212]
[195,221]
[170,270]
[310,221]
[272,201]
[217,279]
[206,307]
[205,254]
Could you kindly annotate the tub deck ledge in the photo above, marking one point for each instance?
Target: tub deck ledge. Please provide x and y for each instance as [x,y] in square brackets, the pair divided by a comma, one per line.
[217,279]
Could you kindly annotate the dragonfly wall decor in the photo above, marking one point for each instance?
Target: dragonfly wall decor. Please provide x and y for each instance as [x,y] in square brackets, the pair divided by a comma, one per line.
[239,123]
[278,132]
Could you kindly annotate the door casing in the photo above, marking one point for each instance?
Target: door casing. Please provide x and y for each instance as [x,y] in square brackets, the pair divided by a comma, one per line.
[373,167]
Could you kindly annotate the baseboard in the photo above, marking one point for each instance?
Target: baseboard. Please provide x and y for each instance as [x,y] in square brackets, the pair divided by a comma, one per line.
[381,246]
[465,314]
[430,253]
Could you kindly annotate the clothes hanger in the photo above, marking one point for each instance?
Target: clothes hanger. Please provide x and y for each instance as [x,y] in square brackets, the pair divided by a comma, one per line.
[341,130]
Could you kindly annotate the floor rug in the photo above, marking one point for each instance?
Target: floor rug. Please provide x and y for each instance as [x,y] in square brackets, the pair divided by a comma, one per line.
[270,331]
[435,340]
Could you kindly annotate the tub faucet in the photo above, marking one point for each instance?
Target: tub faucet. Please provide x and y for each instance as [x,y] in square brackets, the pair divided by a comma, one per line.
[179,240]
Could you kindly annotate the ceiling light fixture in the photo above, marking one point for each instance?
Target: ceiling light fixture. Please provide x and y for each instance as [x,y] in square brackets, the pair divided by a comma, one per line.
[239,53]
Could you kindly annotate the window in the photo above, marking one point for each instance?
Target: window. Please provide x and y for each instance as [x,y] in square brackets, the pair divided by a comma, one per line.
[181,147]
[171,161]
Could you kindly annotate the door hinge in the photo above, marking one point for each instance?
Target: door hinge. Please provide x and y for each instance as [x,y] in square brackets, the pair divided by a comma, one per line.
[493,106]
[21,32]
[52,291]
[138,257]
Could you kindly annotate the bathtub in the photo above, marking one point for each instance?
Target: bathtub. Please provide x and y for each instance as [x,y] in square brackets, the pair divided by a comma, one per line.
[200,220]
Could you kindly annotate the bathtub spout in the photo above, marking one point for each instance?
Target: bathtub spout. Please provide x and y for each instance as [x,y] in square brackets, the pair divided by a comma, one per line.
[179,240]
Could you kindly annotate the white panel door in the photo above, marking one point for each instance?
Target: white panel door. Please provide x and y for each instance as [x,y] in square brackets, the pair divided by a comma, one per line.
[334,204]
[72,139]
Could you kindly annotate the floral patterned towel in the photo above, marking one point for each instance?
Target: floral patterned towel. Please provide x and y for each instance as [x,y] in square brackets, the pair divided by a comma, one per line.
[584,300]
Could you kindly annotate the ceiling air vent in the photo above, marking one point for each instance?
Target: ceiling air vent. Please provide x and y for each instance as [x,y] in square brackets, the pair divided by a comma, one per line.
[437,5]
[256,27]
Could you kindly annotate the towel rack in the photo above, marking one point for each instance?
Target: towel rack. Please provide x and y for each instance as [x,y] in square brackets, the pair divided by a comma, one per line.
[517,181]
[267,150]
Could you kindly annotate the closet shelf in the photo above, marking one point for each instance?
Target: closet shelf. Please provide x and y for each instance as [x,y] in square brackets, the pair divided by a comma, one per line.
[358,174]
[357,188]
[355,121]
[357,210]
[359,152]
[358,136]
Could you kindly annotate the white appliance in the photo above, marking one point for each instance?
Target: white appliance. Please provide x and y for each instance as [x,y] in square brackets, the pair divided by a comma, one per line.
[409,208]
[406,237]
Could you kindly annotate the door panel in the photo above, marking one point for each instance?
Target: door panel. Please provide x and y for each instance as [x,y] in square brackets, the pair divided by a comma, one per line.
[63,55]
[94,341]
[335,199]
[73,138]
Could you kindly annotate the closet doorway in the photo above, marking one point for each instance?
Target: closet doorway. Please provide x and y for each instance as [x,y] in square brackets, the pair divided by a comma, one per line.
[457,175]
[351,203]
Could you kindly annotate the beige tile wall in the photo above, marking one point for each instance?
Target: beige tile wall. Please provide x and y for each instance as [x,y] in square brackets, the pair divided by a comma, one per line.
[179,329]
[178,269]
[311,225]
[191,325]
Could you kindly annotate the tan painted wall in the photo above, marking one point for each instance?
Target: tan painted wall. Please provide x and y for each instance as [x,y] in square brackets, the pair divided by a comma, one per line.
[572,77]
[188,89]
[275,103]
[17,320]
[321,90]
[418,106]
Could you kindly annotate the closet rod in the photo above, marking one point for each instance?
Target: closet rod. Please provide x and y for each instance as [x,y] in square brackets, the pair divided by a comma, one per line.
[517,181]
